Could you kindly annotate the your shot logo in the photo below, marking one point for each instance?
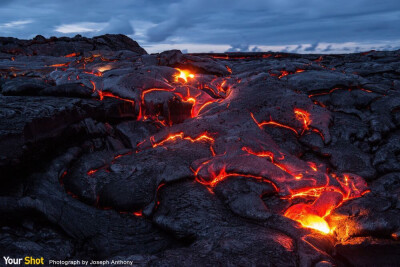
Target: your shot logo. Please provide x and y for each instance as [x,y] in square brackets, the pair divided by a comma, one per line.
[26,261]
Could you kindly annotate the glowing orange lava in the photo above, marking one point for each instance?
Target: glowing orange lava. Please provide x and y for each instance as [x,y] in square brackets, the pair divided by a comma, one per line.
[99,74]
[315,222]
[104,68]
[273,123]
[94,87]
[138,213]
[283,74]
[183,75]
[173,137]
[60,65]
[103,94]
[304,117]
[327,198]
[313,215]
[71,55]
[222,175]
[91,172]
[266,154]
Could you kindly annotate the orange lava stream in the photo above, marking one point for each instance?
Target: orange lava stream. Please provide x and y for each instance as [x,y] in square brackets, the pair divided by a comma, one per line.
[71,55]
[91,172]
[103,94]
[266,154]
[99,74]
[304,117]
[138,213]
[274,123]
[60,65]
[222,175]
[145,92]
[301,115]
[94,86]
[173,137]
[283,74]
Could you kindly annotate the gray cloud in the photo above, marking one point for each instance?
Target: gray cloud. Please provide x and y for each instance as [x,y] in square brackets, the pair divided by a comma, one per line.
[299,47]
[256,49]
[239,48]
[163,30]
[312,47]
[118,25]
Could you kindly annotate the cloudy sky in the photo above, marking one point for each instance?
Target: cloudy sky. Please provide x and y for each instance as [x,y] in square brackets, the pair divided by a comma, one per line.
[304,26]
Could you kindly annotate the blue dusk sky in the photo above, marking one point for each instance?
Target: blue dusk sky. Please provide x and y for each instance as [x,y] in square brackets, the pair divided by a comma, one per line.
[302,26]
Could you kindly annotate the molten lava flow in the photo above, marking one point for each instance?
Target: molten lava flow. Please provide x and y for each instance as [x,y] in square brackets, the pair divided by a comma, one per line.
[94,86]
[120,156]
[212,151]
[173,137]
[283,74]
[103,94]
[222,175]
[324,93]
[99,74]
[270,156]
[91,172]
[301,115]
[315,222]
[220,57]
[203,106]
[273,123]
[72,55]
[142,107]
[304,117]
[138,213]
[327,198]
[183,75]
[60,65]
[366,53]
[313,166]
[312,215]
[145,92]
[319,59]
[104,68]
[266,154]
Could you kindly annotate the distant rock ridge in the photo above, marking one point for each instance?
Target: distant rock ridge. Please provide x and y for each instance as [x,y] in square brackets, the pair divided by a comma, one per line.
[61,46]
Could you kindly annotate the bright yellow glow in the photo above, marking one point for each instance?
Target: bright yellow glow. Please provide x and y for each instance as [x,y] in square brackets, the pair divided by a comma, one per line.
[315,222]
[184,74]
[104,68]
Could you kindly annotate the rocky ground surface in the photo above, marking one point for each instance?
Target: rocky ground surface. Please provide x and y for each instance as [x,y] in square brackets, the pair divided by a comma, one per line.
[270,159]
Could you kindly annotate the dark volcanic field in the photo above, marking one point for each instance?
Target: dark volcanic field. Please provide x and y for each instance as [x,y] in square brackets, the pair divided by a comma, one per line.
[249,159]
